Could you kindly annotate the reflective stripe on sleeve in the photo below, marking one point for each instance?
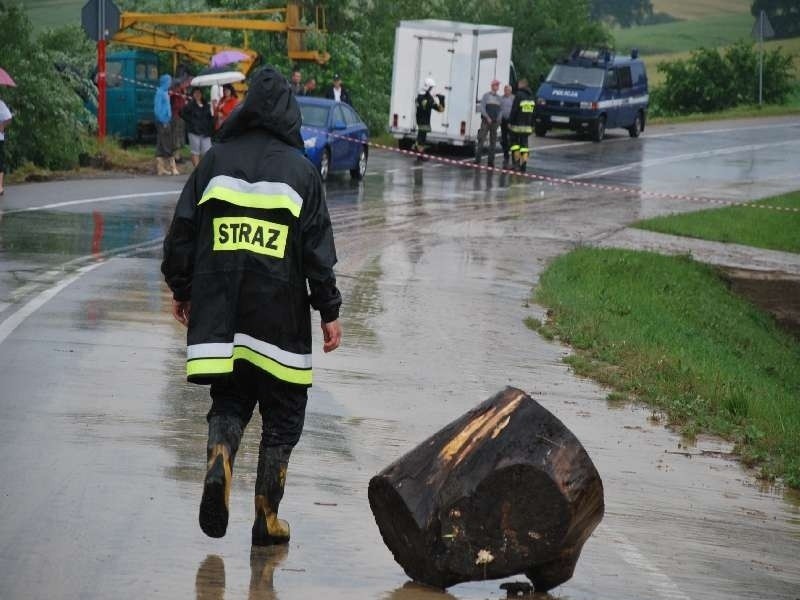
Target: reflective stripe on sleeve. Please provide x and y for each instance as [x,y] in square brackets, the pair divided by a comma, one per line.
[261,194]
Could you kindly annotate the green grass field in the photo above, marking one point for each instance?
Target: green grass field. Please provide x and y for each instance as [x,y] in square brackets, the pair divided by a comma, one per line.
[771,229]
[698,9]
[682,36]
[669,332]
[52,13]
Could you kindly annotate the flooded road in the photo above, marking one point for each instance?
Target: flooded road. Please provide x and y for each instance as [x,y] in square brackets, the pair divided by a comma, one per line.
[104,442]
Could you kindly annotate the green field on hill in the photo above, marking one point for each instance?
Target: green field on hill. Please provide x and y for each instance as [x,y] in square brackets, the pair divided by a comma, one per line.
[698,9]
[682,36]
[52,13]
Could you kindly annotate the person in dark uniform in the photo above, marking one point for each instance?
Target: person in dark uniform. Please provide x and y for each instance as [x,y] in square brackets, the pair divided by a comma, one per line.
[521,124]
[426,103]
[337,91]
[250,250]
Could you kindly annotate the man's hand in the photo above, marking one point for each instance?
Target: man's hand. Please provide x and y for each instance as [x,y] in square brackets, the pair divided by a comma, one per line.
[181,310]
[332,334]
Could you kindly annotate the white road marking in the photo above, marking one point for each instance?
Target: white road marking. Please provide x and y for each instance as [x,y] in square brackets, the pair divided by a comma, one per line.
[14,320]
[661,584]
[90,200]
[680,157]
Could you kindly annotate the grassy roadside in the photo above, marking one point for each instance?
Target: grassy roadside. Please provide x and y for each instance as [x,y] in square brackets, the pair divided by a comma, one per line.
[102,158]
[771,229]
[668,332]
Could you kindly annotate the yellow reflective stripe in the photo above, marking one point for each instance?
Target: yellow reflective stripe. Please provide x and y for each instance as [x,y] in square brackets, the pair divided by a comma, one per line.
[216,366]
[250,199]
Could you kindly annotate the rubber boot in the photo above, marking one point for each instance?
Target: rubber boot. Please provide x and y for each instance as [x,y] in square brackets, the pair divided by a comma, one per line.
[268,529]
[161,166]
[173,167]
[224,434]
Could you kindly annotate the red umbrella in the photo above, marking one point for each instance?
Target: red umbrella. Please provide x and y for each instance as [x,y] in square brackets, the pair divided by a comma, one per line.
[5,79]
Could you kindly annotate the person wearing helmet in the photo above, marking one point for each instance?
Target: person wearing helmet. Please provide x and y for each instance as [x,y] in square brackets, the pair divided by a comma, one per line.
[490,121]
[426,103]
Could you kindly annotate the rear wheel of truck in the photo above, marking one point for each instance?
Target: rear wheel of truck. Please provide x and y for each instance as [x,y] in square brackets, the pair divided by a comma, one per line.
[636,129]
[540,130]
[599,129]
[405,143]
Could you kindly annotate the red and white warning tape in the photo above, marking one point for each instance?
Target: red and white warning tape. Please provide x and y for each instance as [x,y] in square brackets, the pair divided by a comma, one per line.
[543,178]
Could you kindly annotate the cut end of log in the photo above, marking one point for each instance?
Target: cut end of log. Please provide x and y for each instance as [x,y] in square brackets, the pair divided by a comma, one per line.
[503,490]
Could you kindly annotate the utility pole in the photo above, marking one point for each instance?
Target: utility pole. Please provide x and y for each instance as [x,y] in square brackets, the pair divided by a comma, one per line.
[762,29]
[100,20]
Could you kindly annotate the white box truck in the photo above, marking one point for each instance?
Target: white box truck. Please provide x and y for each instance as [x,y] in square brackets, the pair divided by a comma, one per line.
[462,58]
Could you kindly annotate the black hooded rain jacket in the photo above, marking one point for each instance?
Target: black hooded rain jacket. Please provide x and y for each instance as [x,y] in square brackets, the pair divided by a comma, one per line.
[250,237]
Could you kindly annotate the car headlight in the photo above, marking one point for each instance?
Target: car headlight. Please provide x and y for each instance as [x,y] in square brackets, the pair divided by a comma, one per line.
[310,142]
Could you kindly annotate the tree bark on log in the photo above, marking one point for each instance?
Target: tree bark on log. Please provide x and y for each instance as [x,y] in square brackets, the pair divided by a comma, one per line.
[504,489]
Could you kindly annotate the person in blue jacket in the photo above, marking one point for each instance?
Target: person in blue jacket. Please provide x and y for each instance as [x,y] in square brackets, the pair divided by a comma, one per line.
[165,160]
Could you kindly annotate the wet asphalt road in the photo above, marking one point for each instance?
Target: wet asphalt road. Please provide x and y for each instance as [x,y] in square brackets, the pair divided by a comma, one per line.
[104,443]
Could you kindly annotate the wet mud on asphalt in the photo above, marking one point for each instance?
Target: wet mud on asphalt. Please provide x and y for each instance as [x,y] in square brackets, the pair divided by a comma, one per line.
[104,443]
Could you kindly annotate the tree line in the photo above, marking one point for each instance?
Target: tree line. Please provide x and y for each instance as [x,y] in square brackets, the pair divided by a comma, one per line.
[54,87]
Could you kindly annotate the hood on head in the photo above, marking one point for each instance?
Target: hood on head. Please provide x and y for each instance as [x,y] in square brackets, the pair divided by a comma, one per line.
[269,105]
[164,82]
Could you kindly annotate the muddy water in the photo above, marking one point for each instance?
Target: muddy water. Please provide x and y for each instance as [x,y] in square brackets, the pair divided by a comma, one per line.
[104,443]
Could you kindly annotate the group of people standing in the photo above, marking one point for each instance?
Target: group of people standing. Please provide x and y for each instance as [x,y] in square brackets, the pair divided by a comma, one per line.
[514,115]
[179,116]
[336,91]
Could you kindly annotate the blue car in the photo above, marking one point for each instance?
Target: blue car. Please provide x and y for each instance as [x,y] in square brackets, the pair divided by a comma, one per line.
[335,137]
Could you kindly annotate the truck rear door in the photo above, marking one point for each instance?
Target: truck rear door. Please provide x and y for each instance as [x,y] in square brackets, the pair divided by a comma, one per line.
[435,58]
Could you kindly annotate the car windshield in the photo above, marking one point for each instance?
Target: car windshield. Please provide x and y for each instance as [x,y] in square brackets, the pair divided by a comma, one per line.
[569,75]
[314,115]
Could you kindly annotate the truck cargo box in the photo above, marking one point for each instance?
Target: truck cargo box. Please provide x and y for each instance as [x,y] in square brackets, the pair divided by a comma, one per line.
[462,58]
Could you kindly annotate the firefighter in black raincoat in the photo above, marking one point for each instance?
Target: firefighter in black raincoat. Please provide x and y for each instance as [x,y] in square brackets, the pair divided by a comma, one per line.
[425,103]
[250,250]
[520,123]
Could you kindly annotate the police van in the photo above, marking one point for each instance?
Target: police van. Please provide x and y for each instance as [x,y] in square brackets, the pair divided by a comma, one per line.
[592,91]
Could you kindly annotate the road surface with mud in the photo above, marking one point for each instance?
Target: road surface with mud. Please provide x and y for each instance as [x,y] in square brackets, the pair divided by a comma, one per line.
[103,442]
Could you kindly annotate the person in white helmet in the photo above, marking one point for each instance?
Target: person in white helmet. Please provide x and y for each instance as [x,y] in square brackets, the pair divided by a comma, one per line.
[426,103]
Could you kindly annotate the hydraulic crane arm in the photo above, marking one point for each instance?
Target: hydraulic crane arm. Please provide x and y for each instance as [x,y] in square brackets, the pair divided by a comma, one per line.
[137,29]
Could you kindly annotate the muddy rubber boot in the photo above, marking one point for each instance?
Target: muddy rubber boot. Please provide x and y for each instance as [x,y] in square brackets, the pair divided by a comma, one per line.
[173,168]
[224,433]
[268,529]
[161,166]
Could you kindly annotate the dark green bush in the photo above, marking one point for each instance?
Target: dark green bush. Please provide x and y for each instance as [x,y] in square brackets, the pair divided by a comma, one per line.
[712,80]
[50,120]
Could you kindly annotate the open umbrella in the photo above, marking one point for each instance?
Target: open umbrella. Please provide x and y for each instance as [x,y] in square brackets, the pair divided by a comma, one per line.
[220,78]
[5,79]
[227,57]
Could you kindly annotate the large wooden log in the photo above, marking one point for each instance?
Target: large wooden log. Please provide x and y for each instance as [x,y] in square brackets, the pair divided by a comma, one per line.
[505,489]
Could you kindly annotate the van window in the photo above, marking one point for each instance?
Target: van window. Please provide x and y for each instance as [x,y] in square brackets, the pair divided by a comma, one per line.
[141,71]
[638,74]
[611,79]
[624,78]
[152,72]
[569,75]
[113,73]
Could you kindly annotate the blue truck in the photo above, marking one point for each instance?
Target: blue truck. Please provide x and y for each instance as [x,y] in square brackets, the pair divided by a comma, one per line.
[591,91]
[131,79]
